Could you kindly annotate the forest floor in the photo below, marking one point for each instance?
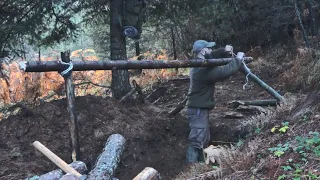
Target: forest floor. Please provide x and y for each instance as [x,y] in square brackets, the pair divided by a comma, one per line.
[155,140]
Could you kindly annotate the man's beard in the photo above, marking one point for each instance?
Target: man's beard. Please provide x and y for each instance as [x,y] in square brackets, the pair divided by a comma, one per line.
[208,56]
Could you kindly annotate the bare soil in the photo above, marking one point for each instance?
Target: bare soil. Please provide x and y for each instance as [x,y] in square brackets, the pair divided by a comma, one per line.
[153,139]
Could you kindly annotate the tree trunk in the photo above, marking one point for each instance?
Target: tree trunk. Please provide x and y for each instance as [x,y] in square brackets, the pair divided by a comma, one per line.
[298,14]
[174,47]
[137,46]
[314,25]
[120,85]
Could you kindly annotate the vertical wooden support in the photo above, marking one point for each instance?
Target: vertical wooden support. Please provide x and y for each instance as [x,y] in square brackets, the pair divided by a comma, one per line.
[73,123]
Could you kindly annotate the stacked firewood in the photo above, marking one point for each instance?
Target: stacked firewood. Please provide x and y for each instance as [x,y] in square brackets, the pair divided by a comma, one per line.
[103,170]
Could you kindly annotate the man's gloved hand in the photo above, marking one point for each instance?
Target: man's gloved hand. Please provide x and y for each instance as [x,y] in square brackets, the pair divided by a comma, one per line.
[240,55]
[229,49]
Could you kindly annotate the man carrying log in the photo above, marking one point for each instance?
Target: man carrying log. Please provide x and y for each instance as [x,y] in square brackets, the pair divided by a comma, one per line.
[201,95]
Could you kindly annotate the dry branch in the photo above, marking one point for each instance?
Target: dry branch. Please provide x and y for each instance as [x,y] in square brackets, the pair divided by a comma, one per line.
[109,159]
[40,66]
[178,108]
[136,88]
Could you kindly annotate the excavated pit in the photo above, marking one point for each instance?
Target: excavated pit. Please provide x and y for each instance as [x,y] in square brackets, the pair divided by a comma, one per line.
[152,138]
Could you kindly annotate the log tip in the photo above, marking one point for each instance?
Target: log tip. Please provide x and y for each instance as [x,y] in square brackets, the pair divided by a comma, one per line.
[36,143]
[23,65]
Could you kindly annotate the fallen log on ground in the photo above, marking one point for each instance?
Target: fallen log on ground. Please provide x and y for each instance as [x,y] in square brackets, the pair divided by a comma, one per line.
[109,159]
[46,66]
[148,174]
[58,173]
[69,176]
[267,102]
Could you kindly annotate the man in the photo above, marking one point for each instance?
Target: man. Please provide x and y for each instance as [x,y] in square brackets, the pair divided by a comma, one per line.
[201,95]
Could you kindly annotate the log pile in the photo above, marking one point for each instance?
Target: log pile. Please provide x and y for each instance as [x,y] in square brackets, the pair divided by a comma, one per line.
[103,170]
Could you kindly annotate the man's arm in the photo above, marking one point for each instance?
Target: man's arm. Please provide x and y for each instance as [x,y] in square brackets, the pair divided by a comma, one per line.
[220,53]
[220,73]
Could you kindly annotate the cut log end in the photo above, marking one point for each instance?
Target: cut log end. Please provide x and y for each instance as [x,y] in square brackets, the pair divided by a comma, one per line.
[148,174]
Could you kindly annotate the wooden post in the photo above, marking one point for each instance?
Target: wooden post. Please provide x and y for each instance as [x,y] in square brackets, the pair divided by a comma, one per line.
[73,123]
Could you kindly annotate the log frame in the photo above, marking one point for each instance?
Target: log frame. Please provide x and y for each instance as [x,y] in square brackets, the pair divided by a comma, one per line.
[40,66]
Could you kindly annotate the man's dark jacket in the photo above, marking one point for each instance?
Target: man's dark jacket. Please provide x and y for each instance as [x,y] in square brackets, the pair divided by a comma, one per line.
[203,79]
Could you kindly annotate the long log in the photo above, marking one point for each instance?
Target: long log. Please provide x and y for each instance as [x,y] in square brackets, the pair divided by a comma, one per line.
[41,66]
[79,166]
[148,174]
[109,159]
[262,84]
[73,123]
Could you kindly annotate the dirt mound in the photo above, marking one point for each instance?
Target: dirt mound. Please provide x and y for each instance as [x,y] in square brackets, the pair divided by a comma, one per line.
[152,139]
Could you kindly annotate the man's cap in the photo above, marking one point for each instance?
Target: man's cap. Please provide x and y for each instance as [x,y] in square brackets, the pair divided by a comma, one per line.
[200,44]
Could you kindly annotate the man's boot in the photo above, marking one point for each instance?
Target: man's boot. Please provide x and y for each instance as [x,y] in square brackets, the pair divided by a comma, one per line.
[200,155]
[192,155]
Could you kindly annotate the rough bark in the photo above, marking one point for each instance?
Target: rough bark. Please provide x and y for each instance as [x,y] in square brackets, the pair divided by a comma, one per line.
[174,47]
[36,66]
[58,173]
[72,122]
[137,46]
[298,14]
[109,159]
[120,85]
[314,25]
[148,174]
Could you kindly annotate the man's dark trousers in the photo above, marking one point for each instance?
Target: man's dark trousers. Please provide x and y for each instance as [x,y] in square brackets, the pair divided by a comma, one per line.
[199,135]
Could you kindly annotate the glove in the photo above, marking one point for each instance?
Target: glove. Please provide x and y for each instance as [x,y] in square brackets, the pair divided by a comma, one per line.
[240,55]
[229,48]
